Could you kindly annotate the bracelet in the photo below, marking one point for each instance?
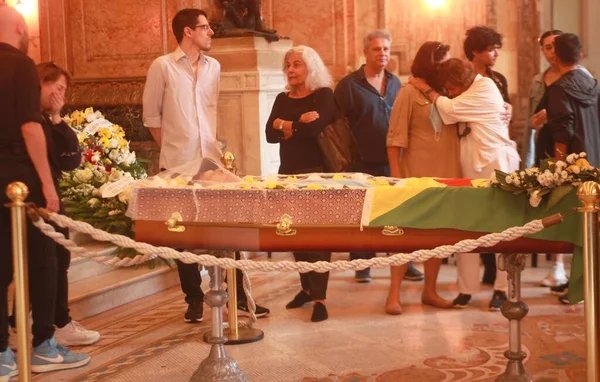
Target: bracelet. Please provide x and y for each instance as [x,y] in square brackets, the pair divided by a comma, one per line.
[281,125]
[427,92]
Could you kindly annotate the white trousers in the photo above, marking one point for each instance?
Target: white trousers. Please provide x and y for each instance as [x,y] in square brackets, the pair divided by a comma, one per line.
[468,280]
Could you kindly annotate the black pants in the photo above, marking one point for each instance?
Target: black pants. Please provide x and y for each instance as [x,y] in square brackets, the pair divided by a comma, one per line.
[41,260]
[314,282]
[63,259]
[190,279]
[375,170]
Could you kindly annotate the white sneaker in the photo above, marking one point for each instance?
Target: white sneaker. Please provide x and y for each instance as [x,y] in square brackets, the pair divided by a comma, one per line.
[556,276]
[73,334]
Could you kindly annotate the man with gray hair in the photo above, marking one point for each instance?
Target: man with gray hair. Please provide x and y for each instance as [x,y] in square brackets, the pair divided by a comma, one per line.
[366,97]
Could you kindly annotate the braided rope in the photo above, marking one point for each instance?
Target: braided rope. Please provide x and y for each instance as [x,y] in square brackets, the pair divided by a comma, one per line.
[149,252]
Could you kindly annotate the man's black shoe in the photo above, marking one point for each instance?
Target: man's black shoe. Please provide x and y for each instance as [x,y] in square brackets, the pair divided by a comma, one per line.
[259,312]
[413,274]
[194,312]
[319,312]
[497,300]
[461,301]
[559,290]
[363,276]
[300,299]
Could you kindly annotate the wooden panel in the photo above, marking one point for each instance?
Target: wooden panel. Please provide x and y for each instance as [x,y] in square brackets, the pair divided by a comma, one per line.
[314,238]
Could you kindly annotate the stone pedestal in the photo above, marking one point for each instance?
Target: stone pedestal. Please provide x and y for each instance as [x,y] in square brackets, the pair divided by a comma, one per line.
[251,78]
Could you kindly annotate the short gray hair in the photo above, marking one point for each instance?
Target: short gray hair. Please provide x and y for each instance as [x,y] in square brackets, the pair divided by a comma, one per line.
[379,33]
[318,75]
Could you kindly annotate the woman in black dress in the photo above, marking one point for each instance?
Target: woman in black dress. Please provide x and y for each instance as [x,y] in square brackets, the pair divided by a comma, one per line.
[298,116]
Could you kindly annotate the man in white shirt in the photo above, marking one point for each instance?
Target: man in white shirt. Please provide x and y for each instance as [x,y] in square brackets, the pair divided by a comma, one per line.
[180,109]
[485,146]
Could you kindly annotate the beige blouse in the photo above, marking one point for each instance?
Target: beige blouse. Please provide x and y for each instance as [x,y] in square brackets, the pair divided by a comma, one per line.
[422,154]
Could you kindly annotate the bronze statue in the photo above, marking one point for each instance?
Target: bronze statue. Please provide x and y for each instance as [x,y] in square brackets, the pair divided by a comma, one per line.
[243,18]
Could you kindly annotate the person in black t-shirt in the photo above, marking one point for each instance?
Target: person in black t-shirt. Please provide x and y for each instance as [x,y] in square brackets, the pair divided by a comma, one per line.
[24,157]
[297,118]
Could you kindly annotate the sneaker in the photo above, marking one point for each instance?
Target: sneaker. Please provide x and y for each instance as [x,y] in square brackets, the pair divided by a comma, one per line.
[498,299]
[49,356]
[319,312]
[259,312]
[461,301]
[363,276]
[300,299]
[74,334]
[559,290]
[556,276]
[413,274]
[8,365]
[194,312]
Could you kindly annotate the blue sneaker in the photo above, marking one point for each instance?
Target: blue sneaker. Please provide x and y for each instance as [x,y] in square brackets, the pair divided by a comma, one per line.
[8,365]
[49,356]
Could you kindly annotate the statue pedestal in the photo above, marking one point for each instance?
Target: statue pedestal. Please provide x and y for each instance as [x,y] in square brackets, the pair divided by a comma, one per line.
[251,78]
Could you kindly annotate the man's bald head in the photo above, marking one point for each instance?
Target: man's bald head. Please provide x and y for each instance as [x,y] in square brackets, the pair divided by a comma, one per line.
[13,28]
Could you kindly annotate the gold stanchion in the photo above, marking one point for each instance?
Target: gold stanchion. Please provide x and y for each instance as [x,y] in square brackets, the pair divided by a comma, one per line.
[18,192]
[589,195]
[232,304]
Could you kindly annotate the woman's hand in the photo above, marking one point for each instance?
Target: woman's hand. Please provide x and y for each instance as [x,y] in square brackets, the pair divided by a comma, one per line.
[309,117]
[539,119]
[287,127]
[507,115]
[57,102]
[419,83]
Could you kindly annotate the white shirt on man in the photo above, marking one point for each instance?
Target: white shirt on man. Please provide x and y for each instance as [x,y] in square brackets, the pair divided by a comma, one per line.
[184,106]
[488,146]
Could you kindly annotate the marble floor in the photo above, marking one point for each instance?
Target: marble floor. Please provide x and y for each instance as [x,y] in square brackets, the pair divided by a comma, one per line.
[148,341]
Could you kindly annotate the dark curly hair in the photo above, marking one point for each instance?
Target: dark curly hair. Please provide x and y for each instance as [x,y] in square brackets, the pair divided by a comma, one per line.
[552,32]
[426,61]
[479,39]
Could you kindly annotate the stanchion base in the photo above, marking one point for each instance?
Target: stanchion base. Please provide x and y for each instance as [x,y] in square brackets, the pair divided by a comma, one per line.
[515,372]
[244,336]
[218,367]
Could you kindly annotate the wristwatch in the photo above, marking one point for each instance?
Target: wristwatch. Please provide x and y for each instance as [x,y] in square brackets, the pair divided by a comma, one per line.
[281,125]
[428,91]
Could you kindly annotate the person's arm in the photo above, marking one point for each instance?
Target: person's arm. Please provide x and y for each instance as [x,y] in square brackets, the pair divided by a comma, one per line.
[274,135]
[325,107]
[154,90]
[561,120]
[343,97]
[397,136]
[477,102]
[28,110]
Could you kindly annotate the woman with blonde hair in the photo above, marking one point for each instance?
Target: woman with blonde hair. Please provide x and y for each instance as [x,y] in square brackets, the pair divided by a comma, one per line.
[298,116]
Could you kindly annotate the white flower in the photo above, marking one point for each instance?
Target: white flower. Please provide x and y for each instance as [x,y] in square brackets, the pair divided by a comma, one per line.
[83,175]
[564,174]
[561,164]
[517,182]
[535,199]
[114,143]
[582,154]
[508,179]
[571,158]
[114,212]
[575,169]
[95,157]
[124,196]
[528,171]
[522,174]
[93,202]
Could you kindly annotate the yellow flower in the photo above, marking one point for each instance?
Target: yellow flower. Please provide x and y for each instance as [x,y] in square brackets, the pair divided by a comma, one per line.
[583,163]
[249,179]
[105,142]
[338,177]
[271,185]
[123,143]
[291,178]
[382,182]
[104,132]
[245,186]
[314,186]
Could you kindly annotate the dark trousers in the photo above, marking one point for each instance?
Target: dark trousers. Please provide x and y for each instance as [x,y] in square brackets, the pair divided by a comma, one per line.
[41,259]
[63,260]
[375,170]
[314,282]
[190,279]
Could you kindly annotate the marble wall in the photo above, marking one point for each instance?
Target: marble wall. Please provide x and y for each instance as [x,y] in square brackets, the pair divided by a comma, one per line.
[108,45]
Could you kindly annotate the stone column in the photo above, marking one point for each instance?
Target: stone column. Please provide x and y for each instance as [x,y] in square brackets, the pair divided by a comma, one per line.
[251,78]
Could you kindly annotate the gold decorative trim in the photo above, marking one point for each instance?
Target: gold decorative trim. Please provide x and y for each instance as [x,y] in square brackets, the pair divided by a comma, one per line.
[392,230]
[106,92]
[284,227]
[173,223]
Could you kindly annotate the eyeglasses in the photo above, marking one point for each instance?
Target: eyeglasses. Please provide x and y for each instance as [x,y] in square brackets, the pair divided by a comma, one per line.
[204,27]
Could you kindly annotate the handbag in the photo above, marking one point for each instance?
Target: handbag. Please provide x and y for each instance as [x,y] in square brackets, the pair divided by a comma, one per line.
[338,146]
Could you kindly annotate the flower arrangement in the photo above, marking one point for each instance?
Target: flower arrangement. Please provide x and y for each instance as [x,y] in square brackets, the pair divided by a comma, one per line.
[553,177]
[107,159]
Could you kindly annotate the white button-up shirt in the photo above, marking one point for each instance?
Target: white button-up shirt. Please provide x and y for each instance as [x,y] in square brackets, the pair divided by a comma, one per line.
[184,106]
